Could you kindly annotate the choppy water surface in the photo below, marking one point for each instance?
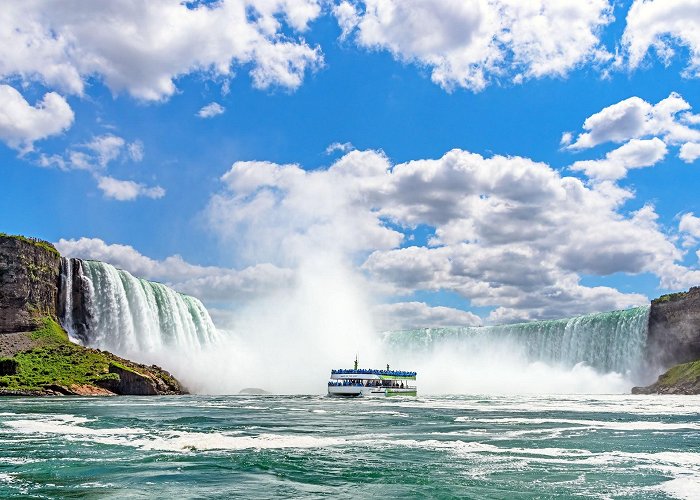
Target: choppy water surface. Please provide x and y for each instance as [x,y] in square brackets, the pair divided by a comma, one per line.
[310,446]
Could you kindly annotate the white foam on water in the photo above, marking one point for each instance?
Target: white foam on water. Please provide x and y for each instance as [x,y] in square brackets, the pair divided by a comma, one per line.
[600,424]
[673,463]
[96,484]
[434,444]
[19,461]
[626,404]
[387,412]
[472,447]
[682,458]
[68,425]
[686,487]
[71,428]
[198,441]
[7,478]
[682,467]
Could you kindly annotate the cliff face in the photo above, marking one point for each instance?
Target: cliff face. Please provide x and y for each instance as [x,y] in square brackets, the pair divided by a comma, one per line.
[681,379]
[72,299]
[48,363]
[29,271]
[36,356]
[674,329]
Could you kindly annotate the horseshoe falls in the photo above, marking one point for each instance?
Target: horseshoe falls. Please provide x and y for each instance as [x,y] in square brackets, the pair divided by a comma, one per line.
[603,352]
[108,308]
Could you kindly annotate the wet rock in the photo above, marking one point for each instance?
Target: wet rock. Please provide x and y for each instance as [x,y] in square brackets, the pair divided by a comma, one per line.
[253,391]
[130,382]
[29,272]
[73,300]
[674,329]
[8,367]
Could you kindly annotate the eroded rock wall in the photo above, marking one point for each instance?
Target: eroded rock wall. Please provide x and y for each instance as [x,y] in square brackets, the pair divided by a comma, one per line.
[73,299]
[674,329]
[29,273]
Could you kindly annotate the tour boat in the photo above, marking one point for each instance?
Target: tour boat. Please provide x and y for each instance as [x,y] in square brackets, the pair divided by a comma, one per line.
[369,382]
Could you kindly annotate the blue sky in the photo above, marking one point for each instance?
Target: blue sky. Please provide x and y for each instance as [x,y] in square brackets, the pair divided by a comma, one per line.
[133,175]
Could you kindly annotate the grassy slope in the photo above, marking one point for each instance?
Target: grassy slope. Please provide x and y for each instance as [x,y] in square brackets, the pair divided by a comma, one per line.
[56,360]
[687,373]
[681,379]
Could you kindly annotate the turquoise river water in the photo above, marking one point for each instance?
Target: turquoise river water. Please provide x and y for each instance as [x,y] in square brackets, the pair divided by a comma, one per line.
[319,447]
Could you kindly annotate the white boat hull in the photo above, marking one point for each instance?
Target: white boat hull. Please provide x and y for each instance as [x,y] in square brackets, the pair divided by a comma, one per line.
[377,392]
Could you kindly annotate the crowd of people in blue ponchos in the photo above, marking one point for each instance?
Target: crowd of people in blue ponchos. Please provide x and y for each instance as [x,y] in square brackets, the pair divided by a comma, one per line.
[366,371]
[366,383]
[344,383]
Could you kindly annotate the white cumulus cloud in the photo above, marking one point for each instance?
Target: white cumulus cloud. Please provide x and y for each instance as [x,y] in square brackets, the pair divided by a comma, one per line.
[405,315]
[663,26]
[284,206]
[509,232]
[634,117]
[342,147]
[143,47]
[690,151]
[95,155]
[637,153]
[690,224]
[124,190]
[689,227]
[210,110]
[210,283]
[469,43]
[21,124]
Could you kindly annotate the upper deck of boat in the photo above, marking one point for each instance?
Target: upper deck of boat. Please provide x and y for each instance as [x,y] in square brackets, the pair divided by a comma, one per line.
[371,374]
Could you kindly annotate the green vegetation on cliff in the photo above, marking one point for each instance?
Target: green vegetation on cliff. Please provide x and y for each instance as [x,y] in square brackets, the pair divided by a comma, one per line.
[54,360]
[33,241]
[670,297]
[681,379]
[681,374]
[53,364]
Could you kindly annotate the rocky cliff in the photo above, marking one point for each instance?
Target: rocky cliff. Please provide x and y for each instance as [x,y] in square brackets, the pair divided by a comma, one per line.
[681,379]
[674,329]
[29,271]
[36,356]
[45,362]
[72,299]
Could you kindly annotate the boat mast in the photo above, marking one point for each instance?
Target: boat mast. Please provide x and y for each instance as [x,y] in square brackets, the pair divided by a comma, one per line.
[355,361]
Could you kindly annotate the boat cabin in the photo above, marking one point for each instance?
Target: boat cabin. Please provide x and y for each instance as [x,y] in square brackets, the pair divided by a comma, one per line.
[371,382]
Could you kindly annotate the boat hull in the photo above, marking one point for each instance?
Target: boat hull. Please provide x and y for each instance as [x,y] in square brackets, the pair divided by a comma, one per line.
[371,392]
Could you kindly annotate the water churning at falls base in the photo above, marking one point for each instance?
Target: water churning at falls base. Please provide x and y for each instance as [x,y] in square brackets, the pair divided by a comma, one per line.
[606,342]
[104,307]
[108,308]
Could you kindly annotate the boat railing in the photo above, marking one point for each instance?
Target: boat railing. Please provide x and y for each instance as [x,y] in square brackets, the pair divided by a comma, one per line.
[366,371]
[385,385]
[343,383]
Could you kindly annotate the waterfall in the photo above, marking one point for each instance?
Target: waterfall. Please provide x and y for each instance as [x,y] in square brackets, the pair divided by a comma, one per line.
[108,308]
[608,342]
[66,296]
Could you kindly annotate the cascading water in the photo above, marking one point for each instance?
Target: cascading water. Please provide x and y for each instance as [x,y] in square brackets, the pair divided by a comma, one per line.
[66,295]
[108,308]
[608,342]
